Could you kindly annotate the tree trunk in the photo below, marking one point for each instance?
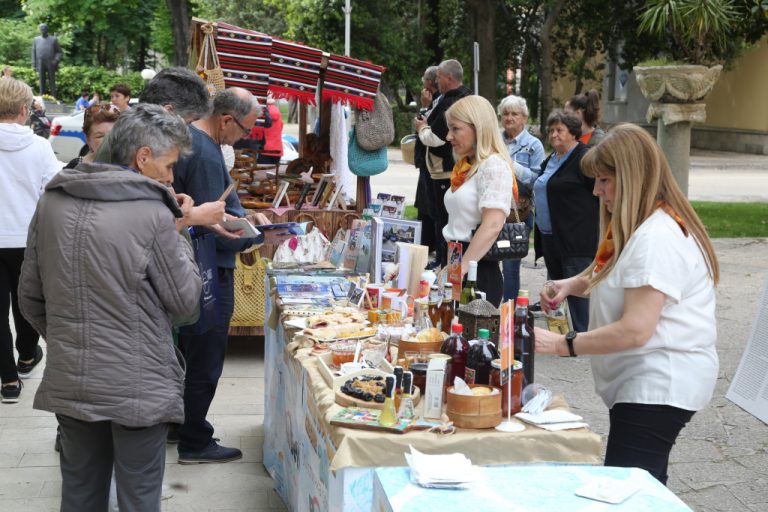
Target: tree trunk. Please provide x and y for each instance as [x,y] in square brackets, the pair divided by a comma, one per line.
[546,77]
[580,69]
[180,28]
[484,30]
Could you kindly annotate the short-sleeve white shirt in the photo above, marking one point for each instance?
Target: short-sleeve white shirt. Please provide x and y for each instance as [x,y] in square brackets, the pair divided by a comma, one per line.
[678,366]
[489,187]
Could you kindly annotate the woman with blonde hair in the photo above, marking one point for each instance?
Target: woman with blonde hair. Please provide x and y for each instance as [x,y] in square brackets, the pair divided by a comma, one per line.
[482,187]
[652,302]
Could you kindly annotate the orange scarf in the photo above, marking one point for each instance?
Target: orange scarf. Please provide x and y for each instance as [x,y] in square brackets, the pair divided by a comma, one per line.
[459,173]
[461,170]
[606,249]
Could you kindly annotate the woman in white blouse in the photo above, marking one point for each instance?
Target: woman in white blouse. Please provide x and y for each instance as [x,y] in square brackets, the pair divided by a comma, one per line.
[652,329]
[482,185]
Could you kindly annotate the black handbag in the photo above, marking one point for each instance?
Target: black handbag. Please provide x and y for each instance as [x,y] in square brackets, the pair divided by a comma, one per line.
[512,242]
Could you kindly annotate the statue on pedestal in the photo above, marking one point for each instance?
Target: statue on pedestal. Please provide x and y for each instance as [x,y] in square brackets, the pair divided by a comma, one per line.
[46,55]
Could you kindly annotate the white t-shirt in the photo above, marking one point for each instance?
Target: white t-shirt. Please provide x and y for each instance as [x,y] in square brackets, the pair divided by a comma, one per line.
[489,187]
[678,366]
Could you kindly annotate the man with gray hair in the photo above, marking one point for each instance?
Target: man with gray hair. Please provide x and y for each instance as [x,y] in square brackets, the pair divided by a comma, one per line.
[204,175]
[432,133]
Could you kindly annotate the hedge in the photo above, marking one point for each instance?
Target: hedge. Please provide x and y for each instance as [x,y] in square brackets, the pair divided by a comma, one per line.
[70,81]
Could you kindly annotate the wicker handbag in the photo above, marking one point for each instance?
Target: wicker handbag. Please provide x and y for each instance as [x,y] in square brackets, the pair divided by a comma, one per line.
[375,129]
[208,66]
[249,290]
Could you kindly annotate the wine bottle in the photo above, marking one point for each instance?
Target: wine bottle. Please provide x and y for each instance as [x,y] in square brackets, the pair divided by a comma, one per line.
[469,292]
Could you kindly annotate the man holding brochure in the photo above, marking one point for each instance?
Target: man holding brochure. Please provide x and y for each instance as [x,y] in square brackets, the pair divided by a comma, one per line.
[203,174]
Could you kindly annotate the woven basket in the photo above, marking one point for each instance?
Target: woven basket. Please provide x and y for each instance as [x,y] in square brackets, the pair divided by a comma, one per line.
[249,290]
[408,147]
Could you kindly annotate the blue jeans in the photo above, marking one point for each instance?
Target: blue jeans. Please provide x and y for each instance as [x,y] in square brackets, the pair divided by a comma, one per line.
[511,270]
[204,355]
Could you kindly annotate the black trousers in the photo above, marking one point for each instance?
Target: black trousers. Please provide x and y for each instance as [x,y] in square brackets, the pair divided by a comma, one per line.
[440,187]
[204,354]
[489,278]
[642,436]
[562,267]
[26,337]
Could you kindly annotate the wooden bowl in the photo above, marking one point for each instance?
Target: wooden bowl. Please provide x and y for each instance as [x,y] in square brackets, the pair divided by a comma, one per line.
[474,411]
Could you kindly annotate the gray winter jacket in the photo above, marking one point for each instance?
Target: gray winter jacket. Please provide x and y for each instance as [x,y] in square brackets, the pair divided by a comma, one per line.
[103,270]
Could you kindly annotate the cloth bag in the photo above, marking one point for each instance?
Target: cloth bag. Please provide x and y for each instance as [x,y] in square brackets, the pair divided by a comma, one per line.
[365,163]
[204,248]
[208,66]
[249,291]
[376,128]
[302,250]
[512,241]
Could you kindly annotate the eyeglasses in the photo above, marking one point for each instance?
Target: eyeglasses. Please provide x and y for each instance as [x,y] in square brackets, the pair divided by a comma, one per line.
[246,131]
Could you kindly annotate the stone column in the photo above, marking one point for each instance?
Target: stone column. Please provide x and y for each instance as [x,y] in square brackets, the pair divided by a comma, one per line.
[674,134]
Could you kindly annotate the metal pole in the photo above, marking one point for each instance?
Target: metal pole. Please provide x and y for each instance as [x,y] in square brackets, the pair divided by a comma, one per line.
[347,25]
[476,66]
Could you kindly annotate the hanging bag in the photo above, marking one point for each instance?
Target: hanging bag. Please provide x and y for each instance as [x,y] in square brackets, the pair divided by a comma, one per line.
[375,128]
[365,163]
[249,290]
[512,241]
[208,66]
[204,249]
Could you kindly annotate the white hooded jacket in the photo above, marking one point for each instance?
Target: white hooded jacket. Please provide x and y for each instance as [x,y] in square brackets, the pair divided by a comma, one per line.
[27,164]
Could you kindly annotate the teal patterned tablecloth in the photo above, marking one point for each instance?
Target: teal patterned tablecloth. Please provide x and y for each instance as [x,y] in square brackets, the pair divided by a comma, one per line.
[538,488]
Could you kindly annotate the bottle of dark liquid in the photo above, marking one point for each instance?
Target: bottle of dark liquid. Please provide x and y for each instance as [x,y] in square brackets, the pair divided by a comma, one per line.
[479,357]
[524,340]
[446,309]
[456,346]
[469,292]
[434,306]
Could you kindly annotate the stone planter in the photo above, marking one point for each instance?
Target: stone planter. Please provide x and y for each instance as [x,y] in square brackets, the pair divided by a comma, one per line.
[676,84]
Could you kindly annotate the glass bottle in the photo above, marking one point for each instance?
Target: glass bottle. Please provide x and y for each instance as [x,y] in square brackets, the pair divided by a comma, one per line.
[384,335]
[524,340]
[558,320]
[398,371]
[469,292]
[446,309]
[421,318]
[479,357]
[456,346]
[434,305]
[405,411]
[388,415]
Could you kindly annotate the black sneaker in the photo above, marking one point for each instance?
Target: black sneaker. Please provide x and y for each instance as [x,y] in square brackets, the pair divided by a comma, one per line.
[213,453]
[24,369]
[11,392]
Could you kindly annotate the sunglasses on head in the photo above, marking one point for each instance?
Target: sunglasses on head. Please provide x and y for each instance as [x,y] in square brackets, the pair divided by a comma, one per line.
[108,107]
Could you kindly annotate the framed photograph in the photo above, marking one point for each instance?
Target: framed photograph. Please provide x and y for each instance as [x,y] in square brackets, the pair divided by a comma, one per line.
[385,234]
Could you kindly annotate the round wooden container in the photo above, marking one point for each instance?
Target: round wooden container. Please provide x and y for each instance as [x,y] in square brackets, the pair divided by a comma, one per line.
[404,346]
[474,411]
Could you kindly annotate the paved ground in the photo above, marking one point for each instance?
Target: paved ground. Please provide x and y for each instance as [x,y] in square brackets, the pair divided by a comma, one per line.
[720,463]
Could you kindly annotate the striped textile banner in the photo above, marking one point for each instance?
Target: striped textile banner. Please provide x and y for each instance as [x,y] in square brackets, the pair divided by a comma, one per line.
[244,56]
[352,80]
[294,71]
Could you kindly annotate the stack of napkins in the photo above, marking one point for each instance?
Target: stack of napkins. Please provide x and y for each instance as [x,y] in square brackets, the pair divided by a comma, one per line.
[553,420]
[453,471]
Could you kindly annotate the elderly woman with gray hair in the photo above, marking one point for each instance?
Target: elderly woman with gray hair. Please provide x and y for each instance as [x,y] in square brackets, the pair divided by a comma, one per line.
[567,212]
[105,268]
[527,153]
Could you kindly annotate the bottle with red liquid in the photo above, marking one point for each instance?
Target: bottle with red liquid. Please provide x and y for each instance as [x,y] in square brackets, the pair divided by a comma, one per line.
[481,353]
[524,340]
[456,346]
